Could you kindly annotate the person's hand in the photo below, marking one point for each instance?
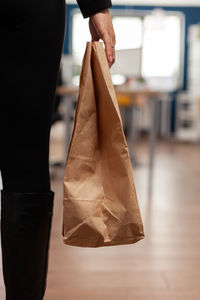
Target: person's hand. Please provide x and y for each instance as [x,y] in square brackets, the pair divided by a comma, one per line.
[101,27]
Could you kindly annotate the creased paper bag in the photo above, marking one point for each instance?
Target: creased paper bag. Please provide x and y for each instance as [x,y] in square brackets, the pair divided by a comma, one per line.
[100,205]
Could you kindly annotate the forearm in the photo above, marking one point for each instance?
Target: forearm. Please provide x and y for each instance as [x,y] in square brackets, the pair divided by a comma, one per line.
[90,7]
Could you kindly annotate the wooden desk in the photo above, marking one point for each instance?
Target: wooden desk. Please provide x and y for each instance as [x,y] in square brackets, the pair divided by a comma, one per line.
[134,94]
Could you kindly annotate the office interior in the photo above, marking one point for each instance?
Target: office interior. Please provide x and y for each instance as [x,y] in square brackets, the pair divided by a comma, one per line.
[157,82]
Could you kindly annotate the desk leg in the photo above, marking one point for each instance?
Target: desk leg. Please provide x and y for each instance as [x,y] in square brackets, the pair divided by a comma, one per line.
[131,124]
[67,119]
[152,142]
[68,115]
[129,129]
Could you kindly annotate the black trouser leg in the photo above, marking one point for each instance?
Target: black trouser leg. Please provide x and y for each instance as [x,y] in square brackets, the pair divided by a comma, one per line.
[31,39]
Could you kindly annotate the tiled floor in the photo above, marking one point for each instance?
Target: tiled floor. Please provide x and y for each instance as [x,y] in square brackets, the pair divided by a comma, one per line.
[165,265]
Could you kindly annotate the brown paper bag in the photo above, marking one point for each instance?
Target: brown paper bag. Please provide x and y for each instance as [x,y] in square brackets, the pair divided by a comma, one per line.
[100,206]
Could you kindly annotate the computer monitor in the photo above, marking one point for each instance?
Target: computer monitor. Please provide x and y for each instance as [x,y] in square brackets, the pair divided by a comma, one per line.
[128,62]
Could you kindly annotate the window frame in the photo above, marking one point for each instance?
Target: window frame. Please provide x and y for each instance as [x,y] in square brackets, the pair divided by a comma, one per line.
[115,12]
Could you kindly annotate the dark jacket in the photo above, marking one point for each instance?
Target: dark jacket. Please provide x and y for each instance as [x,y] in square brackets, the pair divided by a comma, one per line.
[90,7]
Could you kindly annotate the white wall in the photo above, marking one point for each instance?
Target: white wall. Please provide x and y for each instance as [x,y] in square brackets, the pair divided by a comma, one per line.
[153,2]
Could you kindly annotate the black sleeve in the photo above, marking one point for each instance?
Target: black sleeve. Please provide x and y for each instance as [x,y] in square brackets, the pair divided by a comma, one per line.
[90,7]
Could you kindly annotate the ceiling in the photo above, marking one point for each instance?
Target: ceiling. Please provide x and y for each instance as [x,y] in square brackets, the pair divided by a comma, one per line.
[154,2]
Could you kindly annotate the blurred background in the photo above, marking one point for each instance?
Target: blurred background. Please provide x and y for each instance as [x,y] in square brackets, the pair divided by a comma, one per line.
[157,82]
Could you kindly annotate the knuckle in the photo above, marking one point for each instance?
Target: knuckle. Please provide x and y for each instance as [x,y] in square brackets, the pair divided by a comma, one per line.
[104,34]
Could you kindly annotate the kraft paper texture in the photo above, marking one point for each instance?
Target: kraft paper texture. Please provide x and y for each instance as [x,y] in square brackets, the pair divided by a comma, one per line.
[100,206]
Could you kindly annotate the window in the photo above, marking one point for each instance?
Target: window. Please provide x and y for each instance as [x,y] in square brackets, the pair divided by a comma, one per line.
[155,39]
[128,32]
[80,35]
[161,46]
